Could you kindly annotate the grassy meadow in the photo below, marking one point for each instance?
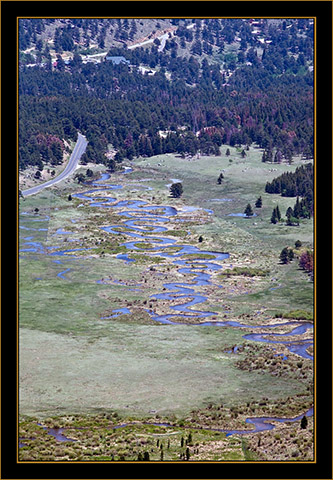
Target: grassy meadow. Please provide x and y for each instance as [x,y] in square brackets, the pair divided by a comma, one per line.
[78,359]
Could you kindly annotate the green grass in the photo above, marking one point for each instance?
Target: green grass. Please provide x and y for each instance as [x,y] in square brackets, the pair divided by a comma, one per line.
[137,369]
[71,361]
[97,441]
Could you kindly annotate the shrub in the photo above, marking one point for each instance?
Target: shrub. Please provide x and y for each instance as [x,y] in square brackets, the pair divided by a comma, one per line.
[176,190]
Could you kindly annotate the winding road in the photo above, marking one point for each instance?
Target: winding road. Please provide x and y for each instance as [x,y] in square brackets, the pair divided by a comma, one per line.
[77,153]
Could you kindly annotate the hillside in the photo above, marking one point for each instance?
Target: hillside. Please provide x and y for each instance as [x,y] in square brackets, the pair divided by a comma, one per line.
[203,82]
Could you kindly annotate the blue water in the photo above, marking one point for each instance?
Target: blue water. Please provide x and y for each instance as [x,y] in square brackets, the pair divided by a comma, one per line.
[240,215]
[186,294]
[117,312]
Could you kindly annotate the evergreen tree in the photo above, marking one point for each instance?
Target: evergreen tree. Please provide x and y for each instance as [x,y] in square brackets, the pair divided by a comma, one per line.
[220,178]
[187,453]
[269,155]
[278,157]
[248,210]
[304,422]
[297,209]
[258,203]
[289,212]
[176,190]
[80,177]
[278,214]
[146,457]
[290,254]
[284,256]
[274,217]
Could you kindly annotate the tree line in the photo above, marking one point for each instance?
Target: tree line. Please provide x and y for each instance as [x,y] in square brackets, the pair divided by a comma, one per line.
[295,184]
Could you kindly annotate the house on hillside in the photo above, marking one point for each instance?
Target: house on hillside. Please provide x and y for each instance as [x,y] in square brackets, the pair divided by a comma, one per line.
[117,60]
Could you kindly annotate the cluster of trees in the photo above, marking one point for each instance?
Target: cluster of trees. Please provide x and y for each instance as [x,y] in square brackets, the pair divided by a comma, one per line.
[305,258]
[287,255]
[299,183]
[288,44]
[276,215]
[248,212]
[293,215]
[291,184]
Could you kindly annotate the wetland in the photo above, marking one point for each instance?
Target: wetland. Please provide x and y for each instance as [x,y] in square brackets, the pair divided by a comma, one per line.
[166,316]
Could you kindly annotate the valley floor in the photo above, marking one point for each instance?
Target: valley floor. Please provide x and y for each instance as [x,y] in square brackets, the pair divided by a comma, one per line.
[137,307]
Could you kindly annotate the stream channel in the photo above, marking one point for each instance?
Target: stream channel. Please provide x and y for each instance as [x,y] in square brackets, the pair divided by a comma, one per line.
[152,219]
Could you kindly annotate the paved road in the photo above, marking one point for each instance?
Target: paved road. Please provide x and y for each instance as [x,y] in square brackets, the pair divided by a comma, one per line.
[77,153]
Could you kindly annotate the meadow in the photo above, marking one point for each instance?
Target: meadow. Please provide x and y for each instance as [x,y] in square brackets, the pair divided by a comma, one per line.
[78,358]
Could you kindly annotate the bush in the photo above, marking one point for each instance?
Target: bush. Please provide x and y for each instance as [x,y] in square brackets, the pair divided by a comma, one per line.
[176,190]
[246,271]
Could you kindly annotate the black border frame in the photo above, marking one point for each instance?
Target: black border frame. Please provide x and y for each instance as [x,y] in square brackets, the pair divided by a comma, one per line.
[322,10]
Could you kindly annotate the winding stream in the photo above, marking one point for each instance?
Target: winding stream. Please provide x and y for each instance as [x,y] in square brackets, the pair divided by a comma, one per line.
[150,218]
[260,424]
[141,218]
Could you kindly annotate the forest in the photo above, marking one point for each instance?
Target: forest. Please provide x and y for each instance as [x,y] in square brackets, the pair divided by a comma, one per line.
[296,184]
[214,84]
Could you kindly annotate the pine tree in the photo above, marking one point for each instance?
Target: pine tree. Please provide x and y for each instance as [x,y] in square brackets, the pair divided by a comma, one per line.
[297,208]
[290,254]
[274,217]
[248,210]
[219,180]
[289,212]
[258,203]
[284,256]
[278,214]
[278,157]
[304,422]
[269,155]
[176,190]
[187,453]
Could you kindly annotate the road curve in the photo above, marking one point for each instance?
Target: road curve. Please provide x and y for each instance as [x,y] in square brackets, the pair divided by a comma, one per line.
[77,153]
